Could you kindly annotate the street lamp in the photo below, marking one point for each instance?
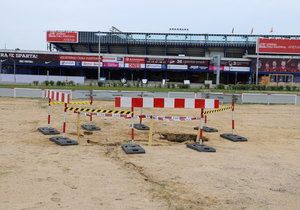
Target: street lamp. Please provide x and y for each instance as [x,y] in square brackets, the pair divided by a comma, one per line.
[99,55]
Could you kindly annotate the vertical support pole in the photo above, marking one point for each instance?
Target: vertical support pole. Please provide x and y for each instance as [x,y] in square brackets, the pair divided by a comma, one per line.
[141,119]
[49,112]
[205,120]
[151,131]
[91,103]
[132,128]
[200,129]
[78,125]
[232,115]
[65,120]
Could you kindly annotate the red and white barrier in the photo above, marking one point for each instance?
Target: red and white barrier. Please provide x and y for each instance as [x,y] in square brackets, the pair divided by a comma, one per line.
[184,103]
[180,103]
[58,96]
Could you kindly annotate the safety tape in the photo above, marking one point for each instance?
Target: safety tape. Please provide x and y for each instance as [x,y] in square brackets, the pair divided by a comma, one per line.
[217,110]
[160,118]
[98,111]
[72,102]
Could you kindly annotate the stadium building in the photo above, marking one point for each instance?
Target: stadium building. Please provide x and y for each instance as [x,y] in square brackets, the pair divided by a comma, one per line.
[156,56]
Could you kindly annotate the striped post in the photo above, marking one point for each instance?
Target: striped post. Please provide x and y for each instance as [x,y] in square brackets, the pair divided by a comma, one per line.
[49,112]
[200,129]
[91,103]
[132,128]
[65,120]
[232,115]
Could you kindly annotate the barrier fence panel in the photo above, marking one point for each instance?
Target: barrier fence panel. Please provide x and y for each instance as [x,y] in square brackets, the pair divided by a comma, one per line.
[105,94]
[181,95]
[6,92]
[110,95]
[80,94]
[255,98]
[28,93]
[282,99]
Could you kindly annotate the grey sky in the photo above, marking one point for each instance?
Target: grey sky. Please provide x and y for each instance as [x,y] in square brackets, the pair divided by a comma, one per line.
[24,22]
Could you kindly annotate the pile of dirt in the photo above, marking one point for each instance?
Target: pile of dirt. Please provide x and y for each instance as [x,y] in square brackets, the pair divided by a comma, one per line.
[179,137]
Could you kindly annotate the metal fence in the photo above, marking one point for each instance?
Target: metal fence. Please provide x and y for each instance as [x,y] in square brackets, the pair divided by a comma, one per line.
[253,98]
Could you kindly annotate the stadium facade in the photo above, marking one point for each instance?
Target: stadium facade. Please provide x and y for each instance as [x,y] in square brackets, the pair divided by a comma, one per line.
[157,56]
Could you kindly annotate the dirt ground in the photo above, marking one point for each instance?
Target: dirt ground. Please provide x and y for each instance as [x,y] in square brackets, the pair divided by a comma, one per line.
[263,173]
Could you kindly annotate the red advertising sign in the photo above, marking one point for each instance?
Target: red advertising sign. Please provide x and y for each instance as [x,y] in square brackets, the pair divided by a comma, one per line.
[79,58]
[62,36]
[278,46]
[134,60]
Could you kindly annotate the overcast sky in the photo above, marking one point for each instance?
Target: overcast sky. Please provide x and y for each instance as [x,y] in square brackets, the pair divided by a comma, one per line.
[25,22]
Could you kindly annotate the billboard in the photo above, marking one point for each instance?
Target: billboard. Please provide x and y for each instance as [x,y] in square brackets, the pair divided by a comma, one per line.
[233,66]
[277,65]
[62,36]
[278,46]
[113,62]
[29,58]
[134,62]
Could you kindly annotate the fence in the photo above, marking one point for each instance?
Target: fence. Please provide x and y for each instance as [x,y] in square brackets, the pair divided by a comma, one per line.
[110,95]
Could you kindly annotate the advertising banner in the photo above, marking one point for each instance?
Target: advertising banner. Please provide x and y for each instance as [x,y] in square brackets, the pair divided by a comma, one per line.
[156,61]
[29,58]
[277,65]
[233,66]
[177,67]
[62,36]
[113,62]
[278,46]
[134,62]
[79,58]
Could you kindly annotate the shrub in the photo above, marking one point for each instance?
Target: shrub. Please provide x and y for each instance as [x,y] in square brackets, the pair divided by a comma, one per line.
[51,83]
[294,88]
[58,83]
[46,82]
[168,85]
[221,86]
[173,86]
[183,86]
[63,83]
[101,84]
[206,86]
[35,82]
[71,83]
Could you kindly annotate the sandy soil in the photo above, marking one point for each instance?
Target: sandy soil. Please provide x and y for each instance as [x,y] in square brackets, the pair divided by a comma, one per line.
[263,173]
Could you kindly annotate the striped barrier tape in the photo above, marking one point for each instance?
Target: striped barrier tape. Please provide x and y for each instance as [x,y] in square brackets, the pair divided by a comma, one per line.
[217,110]
[160,118]
[99,111]
[72,102]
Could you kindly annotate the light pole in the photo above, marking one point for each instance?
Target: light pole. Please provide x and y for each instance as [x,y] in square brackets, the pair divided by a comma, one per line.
[99,56]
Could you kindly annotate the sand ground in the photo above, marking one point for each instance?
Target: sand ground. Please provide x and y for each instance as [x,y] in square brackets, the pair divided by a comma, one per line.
[263,173]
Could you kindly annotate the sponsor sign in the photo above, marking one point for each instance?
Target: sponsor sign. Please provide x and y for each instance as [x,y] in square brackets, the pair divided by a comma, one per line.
[178,67]
[156,61]
[29,58]
[234,66]
[67,63]
[278,46]
[62,36]
[89,64]
[277,65]
[154,66]
[111,64]
[134,62]
[79,58]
